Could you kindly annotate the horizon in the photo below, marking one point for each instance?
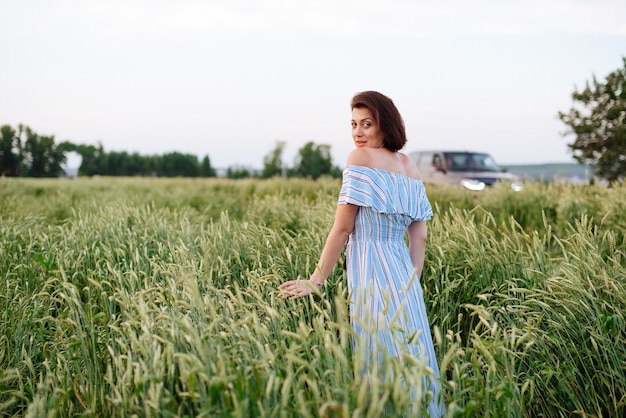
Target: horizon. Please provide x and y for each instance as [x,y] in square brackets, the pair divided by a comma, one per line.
[74,165]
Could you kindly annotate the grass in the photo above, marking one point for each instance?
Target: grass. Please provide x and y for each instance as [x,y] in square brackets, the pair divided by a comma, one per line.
[157,297]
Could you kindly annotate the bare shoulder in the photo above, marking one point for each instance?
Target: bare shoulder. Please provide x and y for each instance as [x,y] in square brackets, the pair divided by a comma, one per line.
[409,167]
[359,156]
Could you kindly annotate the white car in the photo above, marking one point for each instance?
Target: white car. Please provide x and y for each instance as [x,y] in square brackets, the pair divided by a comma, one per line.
[472,170]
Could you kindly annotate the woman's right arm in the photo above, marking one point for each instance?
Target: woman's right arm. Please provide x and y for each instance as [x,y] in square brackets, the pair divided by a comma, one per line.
[336,240]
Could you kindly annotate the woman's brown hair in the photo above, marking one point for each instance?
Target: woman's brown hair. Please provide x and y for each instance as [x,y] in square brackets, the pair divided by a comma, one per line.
[386,115]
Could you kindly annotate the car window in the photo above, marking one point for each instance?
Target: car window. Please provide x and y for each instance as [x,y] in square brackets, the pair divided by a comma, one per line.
[469,161]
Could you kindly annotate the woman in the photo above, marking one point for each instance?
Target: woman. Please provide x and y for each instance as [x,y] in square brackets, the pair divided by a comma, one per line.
[382,199]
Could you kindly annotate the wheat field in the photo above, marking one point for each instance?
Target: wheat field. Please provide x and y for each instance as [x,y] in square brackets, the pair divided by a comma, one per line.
[157,297]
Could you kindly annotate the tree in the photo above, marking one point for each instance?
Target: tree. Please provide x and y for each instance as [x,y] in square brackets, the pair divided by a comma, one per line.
[206,170]
[234,172]
[314,161]
[600,127]
[42,157]
[116,163]
[136,165]
[272,163]
[92,159]
[176,164]
[10,151]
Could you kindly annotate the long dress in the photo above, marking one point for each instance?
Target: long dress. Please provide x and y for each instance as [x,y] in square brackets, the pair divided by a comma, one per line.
[387,308]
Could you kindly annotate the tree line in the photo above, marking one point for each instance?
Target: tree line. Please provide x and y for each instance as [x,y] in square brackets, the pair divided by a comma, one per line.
[24,153]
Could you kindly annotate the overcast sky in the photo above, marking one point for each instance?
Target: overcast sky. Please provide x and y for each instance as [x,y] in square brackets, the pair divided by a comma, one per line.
[229,78]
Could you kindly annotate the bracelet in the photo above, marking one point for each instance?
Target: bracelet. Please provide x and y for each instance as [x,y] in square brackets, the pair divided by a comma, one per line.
[319,285]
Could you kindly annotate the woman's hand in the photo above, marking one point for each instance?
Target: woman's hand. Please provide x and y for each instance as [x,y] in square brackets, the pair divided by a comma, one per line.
[297,288]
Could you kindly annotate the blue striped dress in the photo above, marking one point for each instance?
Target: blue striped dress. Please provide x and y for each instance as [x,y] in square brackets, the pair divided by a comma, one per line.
[386,302]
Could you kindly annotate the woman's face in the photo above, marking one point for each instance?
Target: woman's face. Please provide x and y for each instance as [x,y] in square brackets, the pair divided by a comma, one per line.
[365,131]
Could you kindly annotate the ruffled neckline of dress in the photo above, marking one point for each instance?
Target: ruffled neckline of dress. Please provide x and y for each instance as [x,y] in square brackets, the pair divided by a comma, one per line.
[385,192]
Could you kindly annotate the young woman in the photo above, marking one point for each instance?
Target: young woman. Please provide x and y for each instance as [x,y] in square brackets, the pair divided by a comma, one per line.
[382,199]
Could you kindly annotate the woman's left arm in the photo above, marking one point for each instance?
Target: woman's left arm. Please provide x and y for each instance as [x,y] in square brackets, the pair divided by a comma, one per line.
[417,244]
